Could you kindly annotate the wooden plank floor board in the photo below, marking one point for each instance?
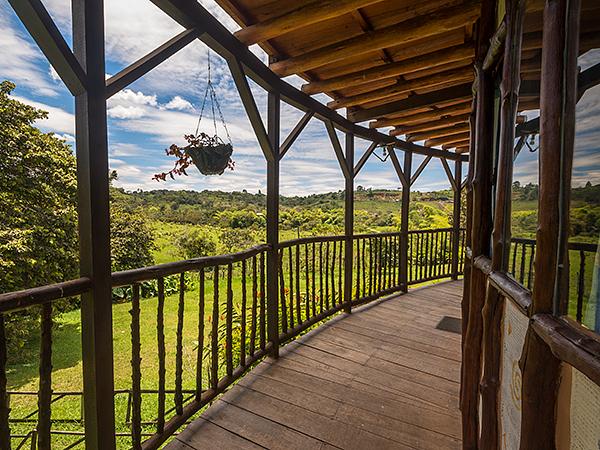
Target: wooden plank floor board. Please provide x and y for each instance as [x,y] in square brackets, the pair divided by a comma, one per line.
[382,377]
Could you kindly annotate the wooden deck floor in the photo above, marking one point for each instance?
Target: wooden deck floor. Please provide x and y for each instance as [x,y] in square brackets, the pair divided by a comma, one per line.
[382,377]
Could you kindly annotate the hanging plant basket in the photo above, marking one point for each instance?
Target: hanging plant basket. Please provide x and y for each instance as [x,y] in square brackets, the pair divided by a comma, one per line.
[208,153]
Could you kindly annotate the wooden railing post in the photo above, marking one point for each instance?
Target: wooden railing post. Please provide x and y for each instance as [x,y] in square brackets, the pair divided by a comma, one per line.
[404,221]
[273,119]
[349,223]
[94,227]
[456,218]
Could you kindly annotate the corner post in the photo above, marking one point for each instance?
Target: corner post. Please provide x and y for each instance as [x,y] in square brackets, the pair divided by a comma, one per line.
[349,222]
[404,221]
[456,218]
[273,130]
[94,227]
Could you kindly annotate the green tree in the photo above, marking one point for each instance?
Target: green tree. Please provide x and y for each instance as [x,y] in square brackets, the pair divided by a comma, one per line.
[131,239]
[38,191]
[198,242]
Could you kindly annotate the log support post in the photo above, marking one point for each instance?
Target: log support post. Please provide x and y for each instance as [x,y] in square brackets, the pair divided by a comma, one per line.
[349,222]
[539,366]
[456,187]
[273,131]
[481,161]
[493,308]
[405,180]
[94,227]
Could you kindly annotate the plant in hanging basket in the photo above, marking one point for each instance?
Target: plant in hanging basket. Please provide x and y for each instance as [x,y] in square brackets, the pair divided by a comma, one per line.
[208,153]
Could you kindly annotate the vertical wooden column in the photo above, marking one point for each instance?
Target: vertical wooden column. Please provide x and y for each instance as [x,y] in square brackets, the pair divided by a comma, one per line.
[541,370]
[480,229]
[349,222]
[273,130]
[456,218]
[404,221]
[493,308]
[94,227]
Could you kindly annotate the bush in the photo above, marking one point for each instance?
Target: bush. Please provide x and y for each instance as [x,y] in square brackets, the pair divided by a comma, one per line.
[197,242]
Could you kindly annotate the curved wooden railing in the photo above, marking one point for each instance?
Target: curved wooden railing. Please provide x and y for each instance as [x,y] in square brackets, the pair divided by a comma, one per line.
[316,277]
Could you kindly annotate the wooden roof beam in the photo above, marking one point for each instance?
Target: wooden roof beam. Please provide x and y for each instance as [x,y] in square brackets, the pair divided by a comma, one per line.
[424,117]
[447,140]
[402,33]
[442,123]
[314,12]
[462,149]
[438,58]
[462,91]
[403,87]
[457,144]
[442,132]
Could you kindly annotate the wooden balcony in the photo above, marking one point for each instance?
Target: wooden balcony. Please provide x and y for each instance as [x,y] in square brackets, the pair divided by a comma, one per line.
[385,376]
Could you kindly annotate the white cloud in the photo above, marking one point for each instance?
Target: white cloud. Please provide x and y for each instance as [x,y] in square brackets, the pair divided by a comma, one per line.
[125,112]
[179,103]
[128,97]
[59,121]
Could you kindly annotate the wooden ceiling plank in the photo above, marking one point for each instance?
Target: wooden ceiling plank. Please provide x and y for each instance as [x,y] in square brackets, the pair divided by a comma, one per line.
[441,132]
[314,12]
[463,143]
[447,140]
[402,33]
[423,117]
[462,91]
[442,123]
[415,64]
[403,87]
[462,149]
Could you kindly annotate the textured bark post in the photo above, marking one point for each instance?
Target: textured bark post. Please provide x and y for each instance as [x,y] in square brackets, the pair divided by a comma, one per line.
[540,368]
[480,229]
[492,311]
[94,227]
[273,118]
[348,223]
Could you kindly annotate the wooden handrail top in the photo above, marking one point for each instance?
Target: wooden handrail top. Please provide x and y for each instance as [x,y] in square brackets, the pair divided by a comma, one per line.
[126,277]
[14,301]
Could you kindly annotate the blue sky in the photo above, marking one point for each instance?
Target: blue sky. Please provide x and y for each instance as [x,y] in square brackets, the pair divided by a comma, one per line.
[160,108]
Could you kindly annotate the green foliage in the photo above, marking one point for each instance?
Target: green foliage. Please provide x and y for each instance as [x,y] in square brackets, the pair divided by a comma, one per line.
[131,239]
[197,242]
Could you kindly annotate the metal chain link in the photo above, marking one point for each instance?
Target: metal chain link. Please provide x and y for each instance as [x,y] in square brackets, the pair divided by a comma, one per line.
[210,92]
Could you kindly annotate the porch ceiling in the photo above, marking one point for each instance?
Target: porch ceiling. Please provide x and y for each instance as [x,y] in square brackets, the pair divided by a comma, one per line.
[405,64]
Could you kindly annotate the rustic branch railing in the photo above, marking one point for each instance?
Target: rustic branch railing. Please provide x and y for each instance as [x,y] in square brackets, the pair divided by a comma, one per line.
[581,260]
[229,293]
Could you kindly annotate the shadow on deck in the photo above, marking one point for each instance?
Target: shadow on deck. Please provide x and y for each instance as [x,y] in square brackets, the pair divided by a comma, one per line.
[382,377]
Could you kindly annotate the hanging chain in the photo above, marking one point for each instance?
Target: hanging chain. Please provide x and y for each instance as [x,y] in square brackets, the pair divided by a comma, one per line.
[210,92]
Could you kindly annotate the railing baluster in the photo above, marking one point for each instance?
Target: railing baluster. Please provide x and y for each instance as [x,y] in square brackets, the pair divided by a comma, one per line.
[291,267]
[243,318]
[321,275]
[357,295]
[262,302]
[580,286]
[214,357]
[332,268]
[531,260]
[327,275]
[283,300]
[229,322]
[384,263]
[4,407]
[136,375]
[341,273]
[371,268]
[522,268]
[253,324]
[307,303]
[513,268]
[200,353]
[45,383]
[298,308]
[160,339]
[179,347]
[314,299]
